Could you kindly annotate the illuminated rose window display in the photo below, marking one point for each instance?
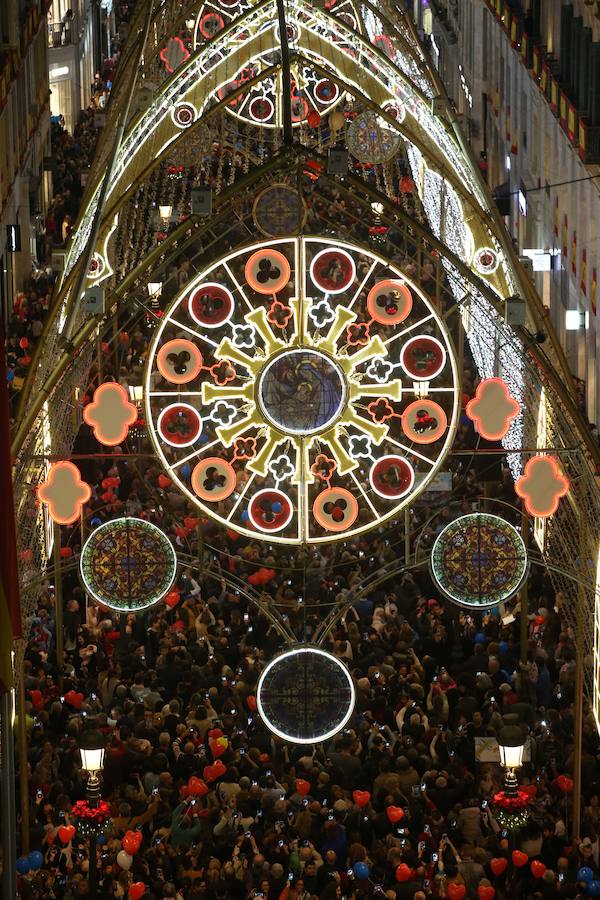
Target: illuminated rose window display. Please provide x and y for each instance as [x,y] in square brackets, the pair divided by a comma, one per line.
[302,389]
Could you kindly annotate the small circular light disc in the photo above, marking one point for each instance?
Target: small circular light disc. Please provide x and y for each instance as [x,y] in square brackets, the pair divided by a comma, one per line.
[179,425]
[335,509]
[270,510]
[267,271]
[392,477]
[424,421]
[214,479]
[423,357]
[179,361]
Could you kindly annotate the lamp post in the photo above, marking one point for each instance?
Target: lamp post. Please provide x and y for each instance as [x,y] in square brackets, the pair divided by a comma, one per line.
[92,746]
[511,743]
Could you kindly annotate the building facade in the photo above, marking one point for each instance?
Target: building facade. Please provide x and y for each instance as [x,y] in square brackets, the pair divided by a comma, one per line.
[524,76]
[25,185]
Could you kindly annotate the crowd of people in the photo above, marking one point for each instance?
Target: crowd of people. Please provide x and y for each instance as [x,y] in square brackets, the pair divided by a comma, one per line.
[397,805]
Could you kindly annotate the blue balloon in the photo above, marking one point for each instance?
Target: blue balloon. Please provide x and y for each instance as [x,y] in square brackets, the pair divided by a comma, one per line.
[35,860]
[186,470]
[276,507]
[480,638]
[22,865]
[502,648]
[203,439]
[95,522]
[244,516]
[585,874]
[10,376]
[593,888]
[102,839]
[361,870]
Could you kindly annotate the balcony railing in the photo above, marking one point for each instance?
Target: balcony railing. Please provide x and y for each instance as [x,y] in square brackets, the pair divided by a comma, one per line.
[61,34]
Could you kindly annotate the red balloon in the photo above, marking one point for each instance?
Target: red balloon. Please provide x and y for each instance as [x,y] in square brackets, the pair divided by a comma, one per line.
[172,599]
[216,748]
[197,787]
[163,481]
[66,833]
[215,733]
[74,699]
[190,522]
[486,892]
[211,773]
[403,872]
[132,842]
[23,343]
[498,865]
[302,786]
[313,118]
[137,890]
[537,868]
[361,798]
[37,700]
[564,783]
[394,814]
[519,859]
[456,891]
[66,552]
[251,703]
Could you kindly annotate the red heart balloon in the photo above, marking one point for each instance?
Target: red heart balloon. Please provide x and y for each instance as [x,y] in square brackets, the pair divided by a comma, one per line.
[164,481]
[394,814]
[498,865]
[219,768]
[66,833]
[403,872]
[37,700]
[456,891]
[217,749]
[196,787]
[251,703]
[564,783]
[486,892]
[172,599]
[537,868]
[132,842]
[302,786]
[361,798]
[519,858]
[137,890]
[74,699]
[215,733]
[190,522]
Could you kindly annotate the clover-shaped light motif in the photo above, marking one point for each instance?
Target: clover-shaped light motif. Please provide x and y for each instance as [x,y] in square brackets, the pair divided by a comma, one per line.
[64,493]
[223,372]
[493,408]
[243,337]
[321,313]
[281,468]
[323,467]
[360,446]
[379,370]
[358,334]
[380,410]
[223,413]
[279,314]
[110,414]
[541,486]
[244,448]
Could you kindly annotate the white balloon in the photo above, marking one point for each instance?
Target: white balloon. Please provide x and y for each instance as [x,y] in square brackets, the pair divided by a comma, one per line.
[124,859]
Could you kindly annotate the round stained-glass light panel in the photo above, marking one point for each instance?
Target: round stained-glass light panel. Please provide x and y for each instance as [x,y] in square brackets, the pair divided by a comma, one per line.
[128,564]
[301,391]
[279,210]
[372,140]
[305,695]
[479,560]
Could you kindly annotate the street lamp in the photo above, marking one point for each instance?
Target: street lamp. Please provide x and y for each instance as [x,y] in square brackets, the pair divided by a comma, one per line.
[511,743]
[92,747]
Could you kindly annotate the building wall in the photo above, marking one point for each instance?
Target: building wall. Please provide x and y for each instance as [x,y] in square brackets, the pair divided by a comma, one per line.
[528,105]
[74,56]
[24,139]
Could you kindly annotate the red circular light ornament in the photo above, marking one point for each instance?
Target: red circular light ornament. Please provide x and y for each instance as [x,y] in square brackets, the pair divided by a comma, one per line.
[214,479]
[270,510]
[211,305]
[179,425]
[335,509]
[392,477]
[333,271]
[424,421]
[179,361]
[267,271]
[423,357]
[389,302]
